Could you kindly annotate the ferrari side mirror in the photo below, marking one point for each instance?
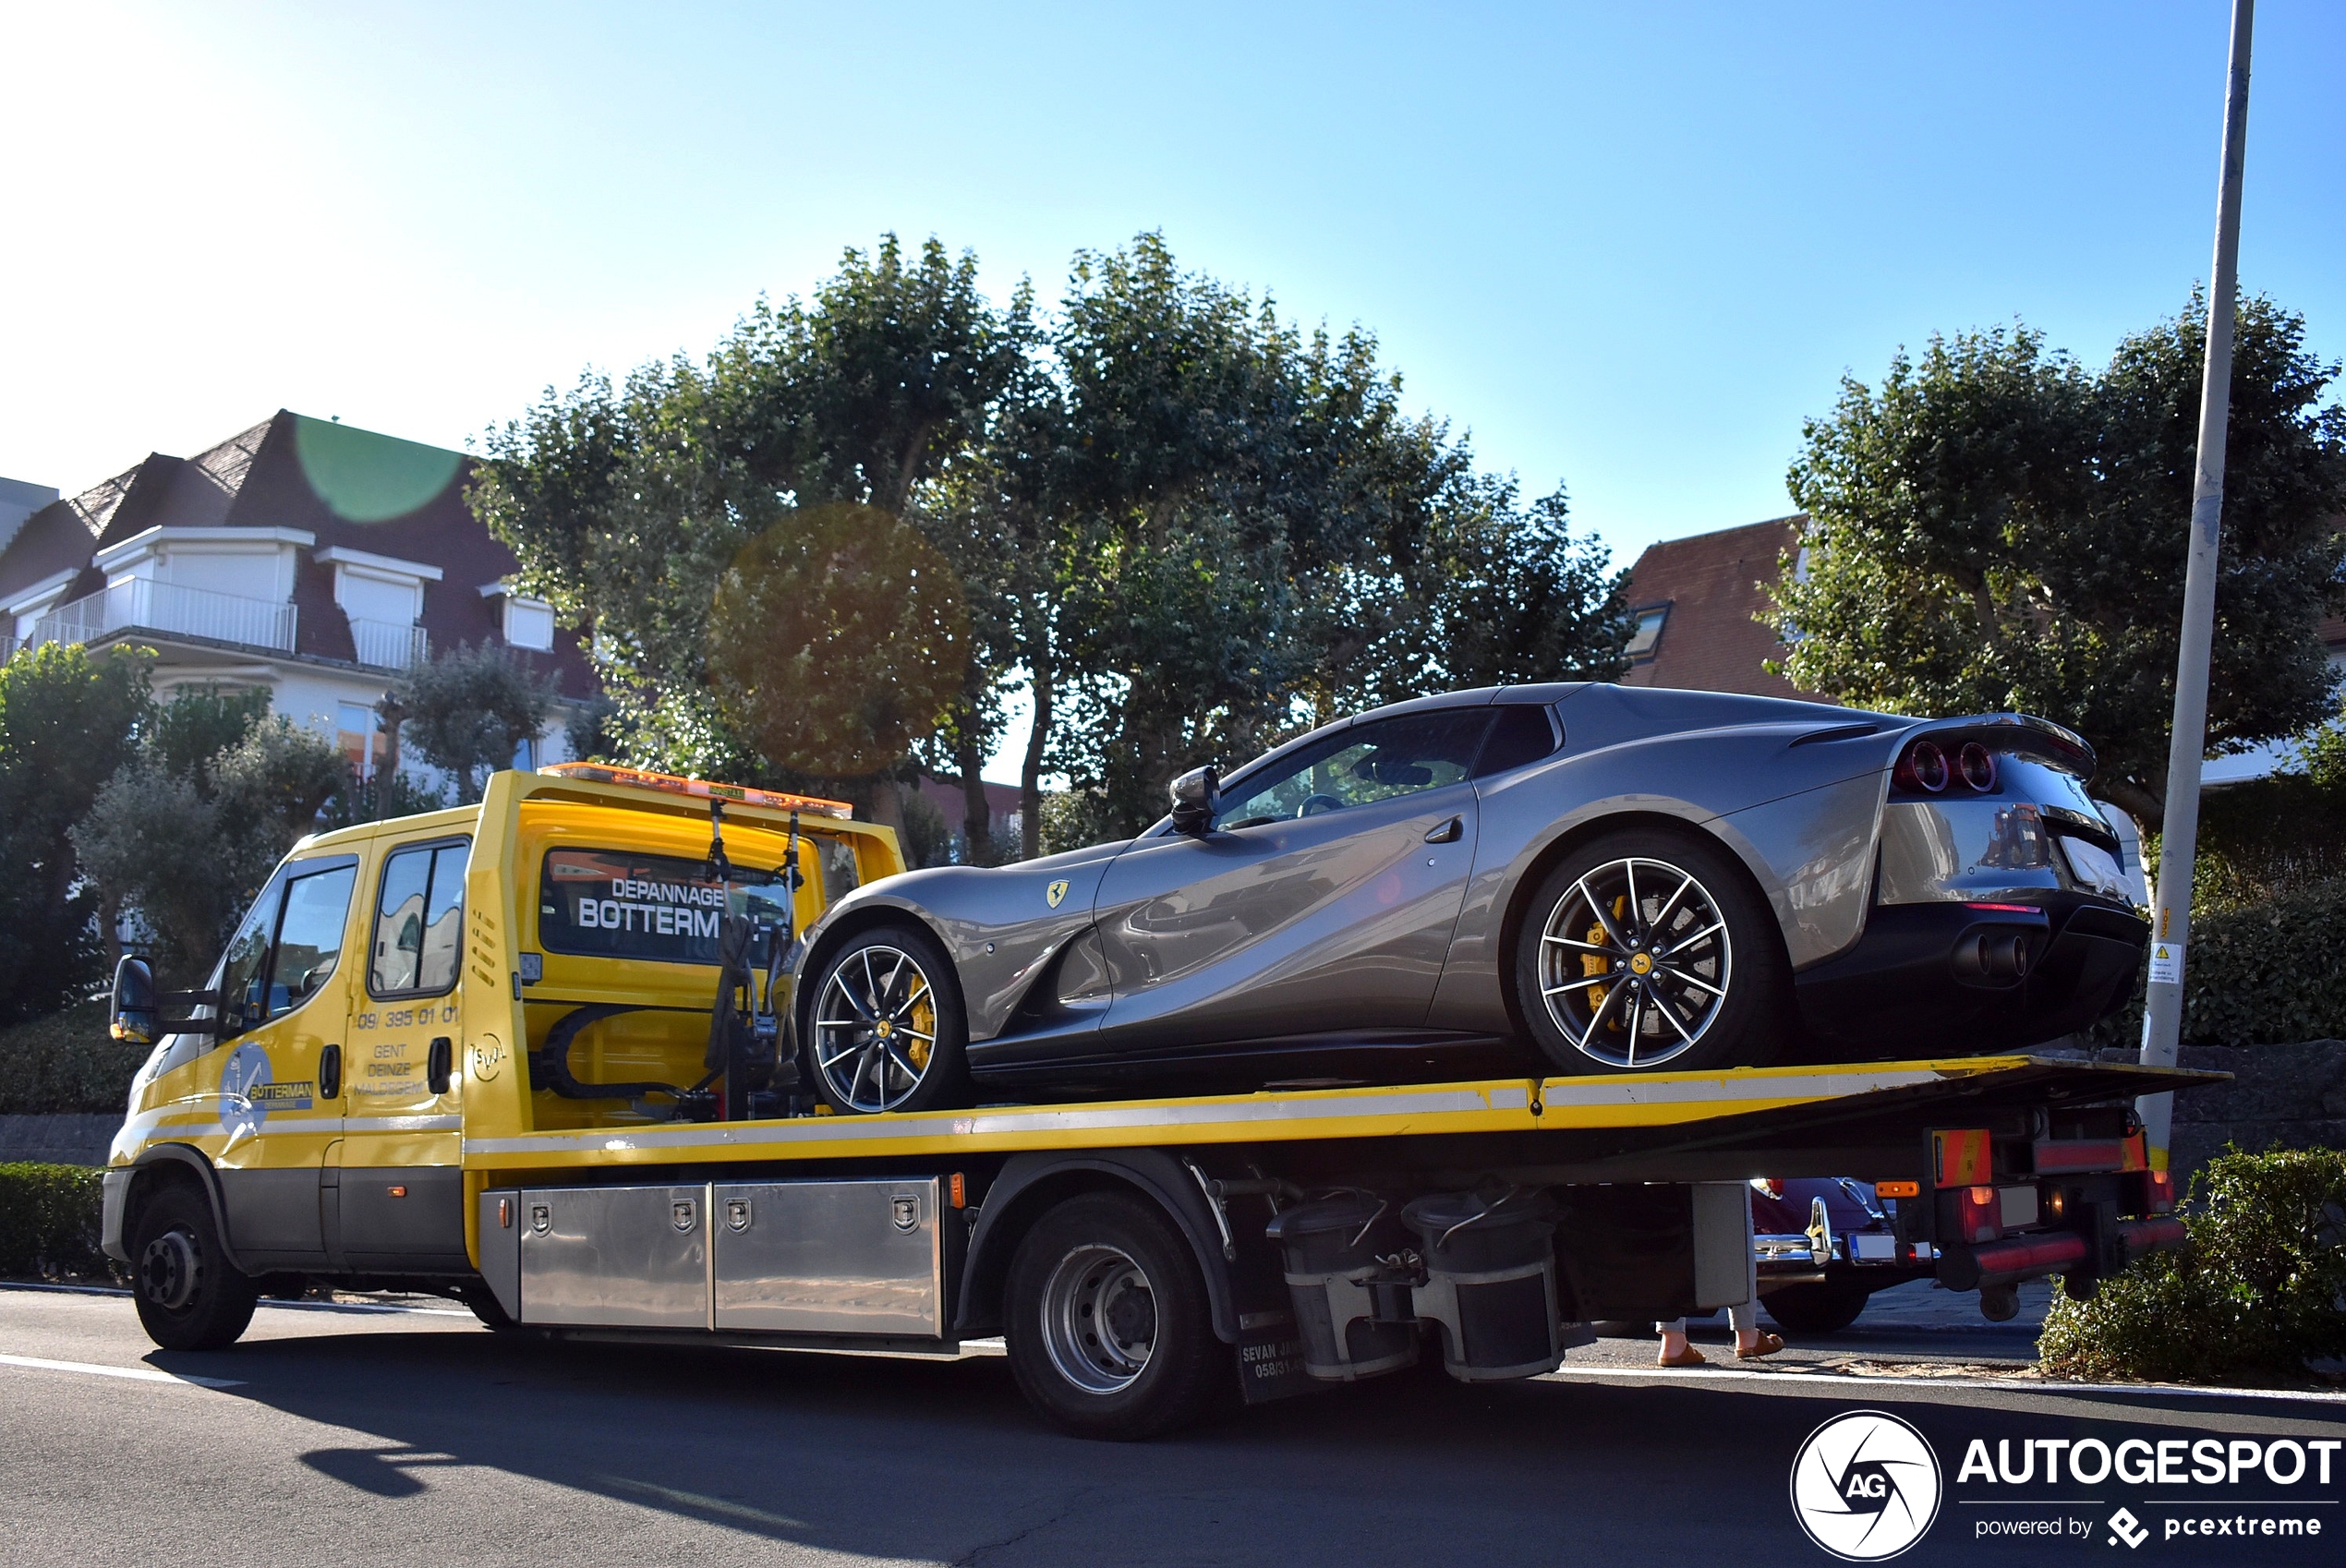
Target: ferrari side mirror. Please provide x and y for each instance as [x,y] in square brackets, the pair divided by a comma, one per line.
[1197,795]
[133,1002]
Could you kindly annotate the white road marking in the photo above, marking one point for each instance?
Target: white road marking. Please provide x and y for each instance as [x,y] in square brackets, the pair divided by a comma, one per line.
[135,1374]
[265,1301]
[2015,1385]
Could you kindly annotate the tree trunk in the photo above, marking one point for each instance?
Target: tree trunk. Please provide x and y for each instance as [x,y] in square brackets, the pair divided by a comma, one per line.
[978,815]
[1030,773]
[887,806]
[2147,807]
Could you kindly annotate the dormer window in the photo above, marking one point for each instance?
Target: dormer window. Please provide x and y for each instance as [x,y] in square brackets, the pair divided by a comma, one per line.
[1647,636]
[524,623]
[383,597]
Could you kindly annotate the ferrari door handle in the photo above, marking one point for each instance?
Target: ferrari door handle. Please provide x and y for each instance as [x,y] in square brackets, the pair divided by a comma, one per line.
[1449,832]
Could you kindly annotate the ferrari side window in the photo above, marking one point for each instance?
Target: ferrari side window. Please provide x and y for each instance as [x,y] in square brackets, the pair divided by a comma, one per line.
[1523,734]
[1369,762]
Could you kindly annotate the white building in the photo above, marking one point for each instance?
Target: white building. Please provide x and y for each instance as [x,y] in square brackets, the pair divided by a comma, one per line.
[303,556]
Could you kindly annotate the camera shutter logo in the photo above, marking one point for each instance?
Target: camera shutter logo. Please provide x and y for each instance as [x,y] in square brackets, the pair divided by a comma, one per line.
[1865,1486]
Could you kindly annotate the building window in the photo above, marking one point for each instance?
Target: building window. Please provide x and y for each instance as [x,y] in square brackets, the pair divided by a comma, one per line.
[1648,635]
[359,738]
[525,754]
[529,623]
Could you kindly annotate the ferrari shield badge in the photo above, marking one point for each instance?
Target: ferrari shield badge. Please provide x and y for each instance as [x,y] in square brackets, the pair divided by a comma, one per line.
[1056,891]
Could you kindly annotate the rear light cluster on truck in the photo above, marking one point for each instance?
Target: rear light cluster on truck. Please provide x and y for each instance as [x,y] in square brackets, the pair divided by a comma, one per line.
[2079,1200]
[1925,767]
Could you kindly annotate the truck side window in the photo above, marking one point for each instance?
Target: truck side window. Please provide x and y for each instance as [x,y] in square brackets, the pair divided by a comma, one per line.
[620,904]
[838,861]
[310,938]
[419,920]
[287,945]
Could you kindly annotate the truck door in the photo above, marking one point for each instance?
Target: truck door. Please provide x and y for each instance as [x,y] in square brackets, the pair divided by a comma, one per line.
[397,1200]
[1322,903]
[284,1000]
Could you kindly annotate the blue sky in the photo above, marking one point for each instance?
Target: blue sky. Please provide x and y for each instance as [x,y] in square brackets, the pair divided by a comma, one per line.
[1628,247]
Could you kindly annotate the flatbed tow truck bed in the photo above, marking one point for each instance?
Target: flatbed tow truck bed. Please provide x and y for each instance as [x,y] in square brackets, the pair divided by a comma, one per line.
[389,1127]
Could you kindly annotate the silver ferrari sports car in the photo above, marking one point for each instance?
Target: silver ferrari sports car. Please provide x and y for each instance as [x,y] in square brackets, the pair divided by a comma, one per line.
[1576,878]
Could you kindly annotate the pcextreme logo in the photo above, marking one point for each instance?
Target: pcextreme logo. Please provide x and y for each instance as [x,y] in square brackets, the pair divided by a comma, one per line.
[1865,1486]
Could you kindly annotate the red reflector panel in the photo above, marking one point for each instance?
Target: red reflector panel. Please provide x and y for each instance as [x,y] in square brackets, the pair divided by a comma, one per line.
[1961,1158]
[1978,1214]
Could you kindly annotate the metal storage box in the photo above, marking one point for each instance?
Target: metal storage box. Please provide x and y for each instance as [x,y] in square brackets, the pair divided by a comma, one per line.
[619,1257]
[831,1256]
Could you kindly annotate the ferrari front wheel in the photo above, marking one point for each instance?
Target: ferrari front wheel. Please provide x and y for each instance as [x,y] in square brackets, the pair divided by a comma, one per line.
[1648,951]
[886,1032]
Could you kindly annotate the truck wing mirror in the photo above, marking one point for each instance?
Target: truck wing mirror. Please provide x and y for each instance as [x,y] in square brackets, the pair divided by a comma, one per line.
[134,1018]
[1197,796]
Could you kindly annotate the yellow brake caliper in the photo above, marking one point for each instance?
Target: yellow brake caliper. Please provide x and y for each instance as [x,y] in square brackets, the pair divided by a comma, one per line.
[1592,964]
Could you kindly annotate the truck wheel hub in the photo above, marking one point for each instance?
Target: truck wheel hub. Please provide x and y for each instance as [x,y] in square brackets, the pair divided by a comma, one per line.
[170,1270]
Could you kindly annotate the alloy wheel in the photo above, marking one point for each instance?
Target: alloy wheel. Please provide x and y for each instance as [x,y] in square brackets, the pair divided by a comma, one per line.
[1635,962]
[875,1028]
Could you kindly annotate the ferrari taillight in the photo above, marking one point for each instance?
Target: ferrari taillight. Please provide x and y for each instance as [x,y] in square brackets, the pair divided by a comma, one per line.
[1924,767]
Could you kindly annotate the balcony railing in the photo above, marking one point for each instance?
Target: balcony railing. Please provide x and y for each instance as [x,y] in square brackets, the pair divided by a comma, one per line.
[388,645]
[167,606]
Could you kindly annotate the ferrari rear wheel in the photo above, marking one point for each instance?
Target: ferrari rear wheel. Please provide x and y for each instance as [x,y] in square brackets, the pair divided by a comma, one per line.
[887,1031]
[1647,951]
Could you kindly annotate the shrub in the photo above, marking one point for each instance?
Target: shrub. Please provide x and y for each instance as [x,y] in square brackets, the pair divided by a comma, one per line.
[66,1062]
[2270,973]
[49,1221]
[2256,1292]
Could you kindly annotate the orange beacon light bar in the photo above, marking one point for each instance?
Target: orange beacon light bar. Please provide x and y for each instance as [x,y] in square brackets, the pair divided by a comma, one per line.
[699,789]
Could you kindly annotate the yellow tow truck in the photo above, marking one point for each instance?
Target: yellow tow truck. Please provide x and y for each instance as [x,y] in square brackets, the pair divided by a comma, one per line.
[536,1055]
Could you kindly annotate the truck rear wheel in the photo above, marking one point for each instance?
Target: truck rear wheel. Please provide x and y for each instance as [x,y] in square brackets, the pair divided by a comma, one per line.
[189,1296]
[1109,1329]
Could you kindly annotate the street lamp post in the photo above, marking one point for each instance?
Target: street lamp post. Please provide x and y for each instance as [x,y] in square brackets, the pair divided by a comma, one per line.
[2178,838]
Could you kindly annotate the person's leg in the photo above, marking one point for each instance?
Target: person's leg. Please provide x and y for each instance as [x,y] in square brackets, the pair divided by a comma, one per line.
[1745,1318]
[1676,1351]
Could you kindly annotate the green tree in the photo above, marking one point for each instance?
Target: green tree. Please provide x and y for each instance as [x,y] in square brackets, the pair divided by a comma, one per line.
[628,504]
[185,837]
[1997,528]
[1256,536]
[67,721]
[469,711]
[837,640]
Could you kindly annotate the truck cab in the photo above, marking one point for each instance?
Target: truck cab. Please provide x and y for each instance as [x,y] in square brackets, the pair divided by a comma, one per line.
[390,984]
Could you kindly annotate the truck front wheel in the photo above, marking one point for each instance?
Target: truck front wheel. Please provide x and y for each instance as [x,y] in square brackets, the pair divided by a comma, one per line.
[1107,1322]
[189,1296]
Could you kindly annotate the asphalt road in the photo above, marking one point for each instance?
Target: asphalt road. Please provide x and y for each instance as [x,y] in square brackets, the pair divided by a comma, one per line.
[339,1435]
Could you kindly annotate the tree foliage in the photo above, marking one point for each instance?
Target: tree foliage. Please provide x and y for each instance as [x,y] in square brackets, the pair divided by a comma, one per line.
[1997,528]
[68,720]
[469,711]
[185,837]
[837,640]
[1184,524]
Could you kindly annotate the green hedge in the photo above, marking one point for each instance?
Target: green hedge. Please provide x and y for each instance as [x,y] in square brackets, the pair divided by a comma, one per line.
[49,1220]
[2257,1292]
[2270,973]
[66,1062]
